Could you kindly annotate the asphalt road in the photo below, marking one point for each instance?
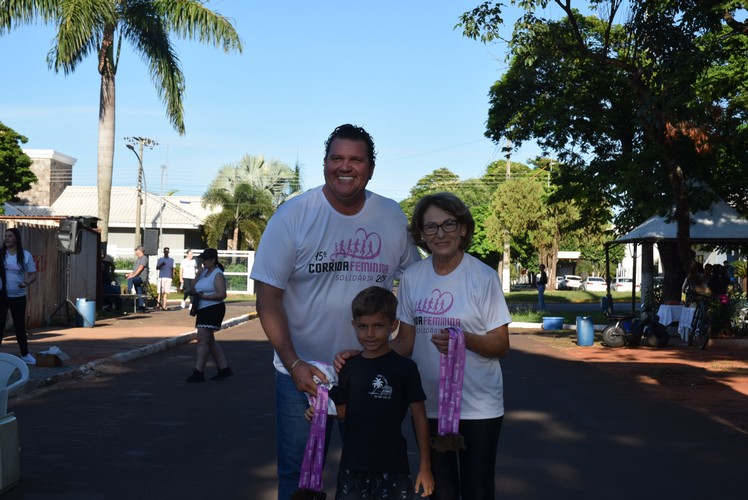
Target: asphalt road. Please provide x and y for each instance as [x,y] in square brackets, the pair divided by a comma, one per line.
[571,431]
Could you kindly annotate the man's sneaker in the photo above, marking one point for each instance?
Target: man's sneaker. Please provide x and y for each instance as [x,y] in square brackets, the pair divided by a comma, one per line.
[29,359]
[197,376]
[222,374]
[183,305]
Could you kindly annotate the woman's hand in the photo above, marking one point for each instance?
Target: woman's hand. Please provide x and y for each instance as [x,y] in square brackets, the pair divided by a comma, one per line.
[441,341]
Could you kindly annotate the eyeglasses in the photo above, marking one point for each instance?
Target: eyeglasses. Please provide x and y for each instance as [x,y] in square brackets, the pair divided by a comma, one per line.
[448,226]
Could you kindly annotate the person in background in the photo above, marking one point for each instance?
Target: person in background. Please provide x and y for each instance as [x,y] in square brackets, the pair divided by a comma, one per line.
[451,287]
[165,267]
[542,282]
[138,278]
[207,297]
[110,288]
[19,271]
[320,249]
[187,273]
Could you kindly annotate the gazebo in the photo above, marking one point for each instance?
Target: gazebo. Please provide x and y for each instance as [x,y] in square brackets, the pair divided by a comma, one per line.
[721,224]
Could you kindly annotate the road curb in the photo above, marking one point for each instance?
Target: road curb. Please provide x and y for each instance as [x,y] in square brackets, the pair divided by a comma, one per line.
[127,356]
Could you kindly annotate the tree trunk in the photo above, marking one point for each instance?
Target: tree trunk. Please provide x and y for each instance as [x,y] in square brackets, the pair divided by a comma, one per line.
[675,273]
[105,151]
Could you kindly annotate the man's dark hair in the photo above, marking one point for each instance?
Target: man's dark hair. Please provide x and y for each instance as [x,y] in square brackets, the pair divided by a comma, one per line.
[375,300]
[352,133]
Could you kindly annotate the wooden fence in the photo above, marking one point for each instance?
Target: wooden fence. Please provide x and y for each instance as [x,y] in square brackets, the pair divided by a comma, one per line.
[49,294]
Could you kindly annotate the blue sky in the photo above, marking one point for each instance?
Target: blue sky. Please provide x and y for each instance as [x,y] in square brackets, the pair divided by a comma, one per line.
[398,68]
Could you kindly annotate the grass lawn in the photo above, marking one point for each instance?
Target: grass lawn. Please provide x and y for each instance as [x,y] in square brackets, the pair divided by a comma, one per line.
[523,303]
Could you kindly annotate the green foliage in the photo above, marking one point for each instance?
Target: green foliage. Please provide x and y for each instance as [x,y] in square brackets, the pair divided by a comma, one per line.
[236,282]
[741,268]
[613,102]
[244,215]
[15,165]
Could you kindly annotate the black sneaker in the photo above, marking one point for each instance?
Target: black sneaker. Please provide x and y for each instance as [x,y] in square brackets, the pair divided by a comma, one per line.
[197,376]
[222,374]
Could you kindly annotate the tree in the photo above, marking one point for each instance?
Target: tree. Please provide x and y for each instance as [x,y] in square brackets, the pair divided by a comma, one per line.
[244,215]
[15,165]
[520,207]
[99,27]
[275,177]
[615,104]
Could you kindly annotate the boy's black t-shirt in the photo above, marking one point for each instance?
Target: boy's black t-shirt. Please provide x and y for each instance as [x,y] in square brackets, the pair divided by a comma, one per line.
[377,393]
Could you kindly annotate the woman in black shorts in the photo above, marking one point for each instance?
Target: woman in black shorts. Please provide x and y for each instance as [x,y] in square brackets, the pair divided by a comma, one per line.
[209,292]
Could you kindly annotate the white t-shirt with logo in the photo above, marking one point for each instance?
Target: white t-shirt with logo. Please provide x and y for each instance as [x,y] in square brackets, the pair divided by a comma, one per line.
[470,297]
[322,259]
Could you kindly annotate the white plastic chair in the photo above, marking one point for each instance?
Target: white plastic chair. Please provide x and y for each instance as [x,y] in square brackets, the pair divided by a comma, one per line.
[8,365]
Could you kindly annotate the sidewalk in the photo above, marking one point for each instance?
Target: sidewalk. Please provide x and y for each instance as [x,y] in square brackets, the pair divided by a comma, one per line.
[115,338]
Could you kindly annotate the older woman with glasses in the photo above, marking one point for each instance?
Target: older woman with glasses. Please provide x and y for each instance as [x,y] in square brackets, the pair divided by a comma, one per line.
[451,288]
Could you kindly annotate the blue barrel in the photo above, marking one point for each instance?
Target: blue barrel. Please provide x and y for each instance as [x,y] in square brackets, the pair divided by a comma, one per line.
[553,323]
[585,331]
[87,313]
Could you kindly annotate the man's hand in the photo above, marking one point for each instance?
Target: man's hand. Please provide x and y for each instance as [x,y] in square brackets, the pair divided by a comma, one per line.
[340,358]
[303,377]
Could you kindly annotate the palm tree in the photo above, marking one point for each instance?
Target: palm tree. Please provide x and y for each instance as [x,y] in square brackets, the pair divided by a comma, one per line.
[272,176]
[99,26]
[245,213]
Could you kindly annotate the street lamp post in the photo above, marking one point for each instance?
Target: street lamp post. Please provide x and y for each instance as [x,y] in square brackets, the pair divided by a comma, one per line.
[163,205]
[140,141]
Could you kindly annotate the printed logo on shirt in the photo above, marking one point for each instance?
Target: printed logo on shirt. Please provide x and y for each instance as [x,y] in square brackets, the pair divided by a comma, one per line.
[352,259]
[380,389]
[433,311]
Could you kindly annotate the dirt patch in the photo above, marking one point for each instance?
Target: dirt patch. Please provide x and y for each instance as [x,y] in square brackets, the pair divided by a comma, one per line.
[713,381]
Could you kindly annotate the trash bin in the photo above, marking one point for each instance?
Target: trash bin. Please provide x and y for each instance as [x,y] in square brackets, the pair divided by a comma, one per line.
[87,313]
[585,331]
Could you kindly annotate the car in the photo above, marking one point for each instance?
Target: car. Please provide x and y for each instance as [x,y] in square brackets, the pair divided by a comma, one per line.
[571,282]
[595,284]
[622,284]
[559,280]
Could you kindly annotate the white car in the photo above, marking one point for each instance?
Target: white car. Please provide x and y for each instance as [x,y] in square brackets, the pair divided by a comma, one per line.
[595,284]
[622,285]
[571,282]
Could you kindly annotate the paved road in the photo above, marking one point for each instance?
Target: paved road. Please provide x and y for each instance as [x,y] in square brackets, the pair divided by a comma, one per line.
[572,431]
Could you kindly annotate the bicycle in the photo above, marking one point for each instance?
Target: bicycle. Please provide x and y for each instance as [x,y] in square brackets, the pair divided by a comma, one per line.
[700,325]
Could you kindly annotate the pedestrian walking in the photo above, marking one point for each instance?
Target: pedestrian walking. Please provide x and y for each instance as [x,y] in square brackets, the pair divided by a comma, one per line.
[209,309]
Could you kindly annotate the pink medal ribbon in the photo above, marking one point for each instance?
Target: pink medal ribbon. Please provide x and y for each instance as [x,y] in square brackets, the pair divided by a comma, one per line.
[451,374]
[314,454]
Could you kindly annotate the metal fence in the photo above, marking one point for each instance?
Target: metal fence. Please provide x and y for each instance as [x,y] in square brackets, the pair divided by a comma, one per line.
[237,264]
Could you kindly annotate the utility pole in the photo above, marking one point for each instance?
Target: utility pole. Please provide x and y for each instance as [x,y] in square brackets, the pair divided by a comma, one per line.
[506,275]
[141,142]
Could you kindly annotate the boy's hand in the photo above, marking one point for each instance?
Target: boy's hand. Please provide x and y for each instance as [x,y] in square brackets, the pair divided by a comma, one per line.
[426,480]
[340,358]
[309,414]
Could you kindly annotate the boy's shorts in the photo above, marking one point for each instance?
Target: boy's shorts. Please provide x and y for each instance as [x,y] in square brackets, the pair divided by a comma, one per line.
[354,485]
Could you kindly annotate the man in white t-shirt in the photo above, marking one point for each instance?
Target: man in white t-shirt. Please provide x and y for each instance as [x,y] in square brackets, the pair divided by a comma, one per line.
[318,251]
[187,273]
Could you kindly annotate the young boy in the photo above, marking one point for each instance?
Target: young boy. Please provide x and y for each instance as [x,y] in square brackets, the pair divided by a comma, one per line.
[375,390]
